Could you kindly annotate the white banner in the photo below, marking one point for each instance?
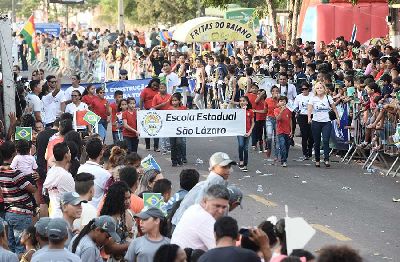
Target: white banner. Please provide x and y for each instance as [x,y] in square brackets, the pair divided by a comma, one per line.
[191,123]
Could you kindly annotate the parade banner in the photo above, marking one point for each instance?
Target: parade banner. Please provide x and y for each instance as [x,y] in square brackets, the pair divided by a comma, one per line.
[48,28]
[131,88]
[191,123]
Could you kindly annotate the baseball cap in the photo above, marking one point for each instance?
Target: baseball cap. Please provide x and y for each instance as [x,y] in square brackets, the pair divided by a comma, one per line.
[151,212]
[71,198]
[57,229]
[41,226]
[220,159]
[109,225]
[235,195]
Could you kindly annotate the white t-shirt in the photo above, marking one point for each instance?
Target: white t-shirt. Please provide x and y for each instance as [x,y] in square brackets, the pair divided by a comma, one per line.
[52,106]
[289,91]
[301,102]
[34,104]
[173,80]
[321,108]
[188,233]
[68,91]
[58,181]
[88,213]
[24,163]
[101,176]
[72,108]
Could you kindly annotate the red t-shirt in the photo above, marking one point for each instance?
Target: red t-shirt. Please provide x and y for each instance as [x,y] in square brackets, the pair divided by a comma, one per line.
[147,96]
[158,99]
[252,97]
[131,121]
[88,99]
[179,108]
[114,112]
[259,106]
[283,124]
[270,105]
[249,119]
[99,107]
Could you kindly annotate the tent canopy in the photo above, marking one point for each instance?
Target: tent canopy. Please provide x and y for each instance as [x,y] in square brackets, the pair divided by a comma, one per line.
[213,29]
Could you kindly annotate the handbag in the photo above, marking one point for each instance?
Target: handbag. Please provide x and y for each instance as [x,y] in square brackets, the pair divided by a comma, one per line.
[332,114]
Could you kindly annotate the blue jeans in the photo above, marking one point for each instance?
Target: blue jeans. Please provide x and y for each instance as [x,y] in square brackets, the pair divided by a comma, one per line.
[117,136]
[102,126]
[325,129]
[272,142]
[132,143]
[17,223]
[284,145]
[243,142]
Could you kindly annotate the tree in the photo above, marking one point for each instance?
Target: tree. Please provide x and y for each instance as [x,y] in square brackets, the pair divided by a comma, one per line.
[28,6]
[296,12]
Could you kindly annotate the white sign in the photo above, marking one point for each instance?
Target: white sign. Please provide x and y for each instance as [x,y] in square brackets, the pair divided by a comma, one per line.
[191,123]
[298,233]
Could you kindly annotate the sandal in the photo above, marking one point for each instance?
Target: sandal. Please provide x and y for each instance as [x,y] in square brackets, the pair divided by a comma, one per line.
[317,164]
[327,164]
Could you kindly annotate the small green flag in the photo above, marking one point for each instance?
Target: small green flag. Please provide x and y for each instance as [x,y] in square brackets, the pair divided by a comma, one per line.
[91,118]
[152,200]
[23,133]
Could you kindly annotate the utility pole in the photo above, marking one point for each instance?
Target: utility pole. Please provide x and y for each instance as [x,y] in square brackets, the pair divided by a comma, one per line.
[121,26]
[67,16]
[6,62]
[13,11]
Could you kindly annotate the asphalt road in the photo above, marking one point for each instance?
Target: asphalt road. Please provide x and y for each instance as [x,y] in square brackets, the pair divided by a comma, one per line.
[343,204]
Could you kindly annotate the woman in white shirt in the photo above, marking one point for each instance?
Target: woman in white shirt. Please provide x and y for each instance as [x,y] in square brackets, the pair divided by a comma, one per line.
[301,104]
[77,105]
[318,115]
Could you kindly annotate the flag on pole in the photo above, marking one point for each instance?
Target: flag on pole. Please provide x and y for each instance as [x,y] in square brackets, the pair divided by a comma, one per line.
[261,32]
[23,133]
[353,34]
[91,118]
[29,35]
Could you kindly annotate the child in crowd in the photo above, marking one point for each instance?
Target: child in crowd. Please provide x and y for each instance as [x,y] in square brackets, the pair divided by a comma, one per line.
[130,132]
[178,146]
[164,187]
[283,128]
[122,107]
[243,141]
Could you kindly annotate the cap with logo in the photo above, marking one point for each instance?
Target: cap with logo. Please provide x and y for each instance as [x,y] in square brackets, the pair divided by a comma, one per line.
[220,159]
[57,229]
[109,225]
[41,226]
[235,195]
[71,198]
[151,212]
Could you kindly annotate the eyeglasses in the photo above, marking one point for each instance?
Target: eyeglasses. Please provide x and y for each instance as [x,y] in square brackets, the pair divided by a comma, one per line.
[52,82]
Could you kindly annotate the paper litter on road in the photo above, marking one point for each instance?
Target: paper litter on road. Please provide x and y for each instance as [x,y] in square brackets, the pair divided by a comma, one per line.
[246,176]
[199,161]
[258,171]
[396,199]
[307,164]
[304,182]
[267,175]
[259,188]
[296,176]
[346,188]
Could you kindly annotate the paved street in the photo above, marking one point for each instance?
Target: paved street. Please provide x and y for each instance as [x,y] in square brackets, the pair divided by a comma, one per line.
[363,217]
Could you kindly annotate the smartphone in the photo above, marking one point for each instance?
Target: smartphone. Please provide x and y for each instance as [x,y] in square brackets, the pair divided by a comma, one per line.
[244,232]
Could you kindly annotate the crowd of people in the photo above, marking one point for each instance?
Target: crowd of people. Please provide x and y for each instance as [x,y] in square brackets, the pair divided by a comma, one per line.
[67,193]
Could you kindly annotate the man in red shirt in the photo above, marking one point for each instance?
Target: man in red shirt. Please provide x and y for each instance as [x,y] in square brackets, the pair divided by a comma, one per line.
[283,128]
[101,107]
[146,103]
[118,95]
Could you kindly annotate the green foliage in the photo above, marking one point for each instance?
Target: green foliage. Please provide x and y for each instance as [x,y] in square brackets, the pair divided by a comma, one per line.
[28,6]
[152,12]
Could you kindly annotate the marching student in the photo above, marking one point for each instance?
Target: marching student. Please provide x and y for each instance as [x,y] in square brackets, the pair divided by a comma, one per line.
[178,146]
[243,141]
[283,128]
[130,132]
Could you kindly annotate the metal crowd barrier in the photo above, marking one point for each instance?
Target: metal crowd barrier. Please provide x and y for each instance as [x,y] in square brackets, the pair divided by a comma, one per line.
[390,148]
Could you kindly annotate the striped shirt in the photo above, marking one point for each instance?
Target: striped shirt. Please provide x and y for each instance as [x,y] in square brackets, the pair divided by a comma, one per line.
[13,185]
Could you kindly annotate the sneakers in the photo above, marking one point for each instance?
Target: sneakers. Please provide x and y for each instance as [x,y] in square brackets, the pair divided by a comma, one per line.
[284,164]
[244,169]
